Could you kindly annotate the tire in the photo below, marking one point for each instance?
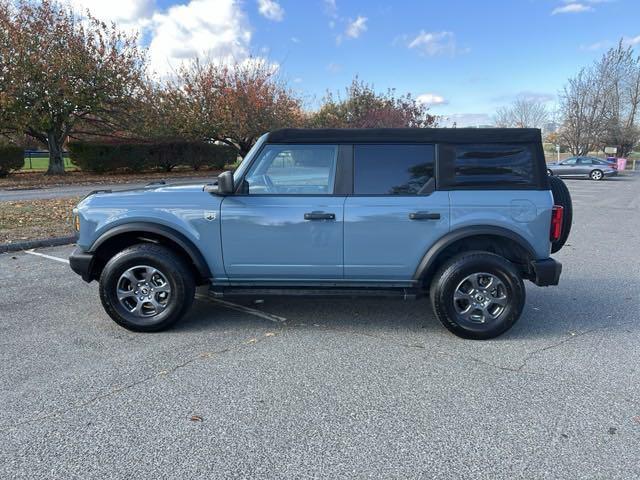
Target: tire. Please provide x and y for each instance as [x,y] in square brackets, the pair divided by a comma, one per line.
[549,173]
[596,175]
[562,197]
[169,291]
[452,278]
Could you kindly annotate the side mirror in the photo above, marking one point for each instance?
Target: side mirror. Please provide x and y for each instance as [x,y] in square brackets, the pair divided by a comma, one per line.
[225,183]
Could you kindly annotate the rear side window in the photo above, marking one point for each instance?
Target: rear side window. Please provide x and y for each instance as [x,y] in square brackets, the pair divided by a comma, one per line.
[392,169]
[493,164]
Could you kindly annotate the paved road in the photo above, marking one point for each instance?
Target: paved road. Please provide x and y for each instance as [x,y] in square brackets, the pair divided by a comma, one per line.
[79,190]
[342,389]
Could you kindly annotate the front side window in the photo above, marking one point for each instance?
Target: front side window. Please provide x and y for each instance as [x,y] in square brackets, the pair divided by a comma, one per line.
[570,161]
[294,170]
[392,169]
[493,164]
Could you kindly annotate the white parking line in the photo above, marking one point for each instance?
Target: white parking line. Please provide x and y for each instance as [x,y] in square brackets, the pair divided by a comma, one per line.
[233,306]
[57,259]
[241,308]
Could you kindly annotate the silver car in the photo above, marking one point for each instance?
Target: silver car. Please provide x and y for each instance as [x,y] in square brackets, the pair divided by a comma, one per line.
[589,167]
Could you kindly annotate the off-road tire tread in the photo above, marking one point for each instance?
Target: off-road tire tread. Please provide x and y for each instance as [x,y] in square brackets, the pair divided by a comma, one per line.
[171,265]
[444,277]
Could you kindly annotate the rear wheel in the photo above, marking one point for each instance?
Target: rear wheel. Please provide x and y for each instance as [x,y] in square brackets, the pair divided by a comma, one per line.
[146,288]
[596,175]
[477,295]
[562,197]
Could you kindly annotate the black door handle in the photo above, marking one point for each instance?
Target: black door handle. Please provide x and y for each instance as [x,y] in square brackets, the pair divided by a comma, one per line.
[424,216]
[319,216]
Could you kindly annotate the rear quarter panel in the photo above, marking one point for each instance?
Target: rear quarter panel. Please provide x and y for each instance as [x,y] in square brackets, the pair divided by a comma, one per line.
[525,212]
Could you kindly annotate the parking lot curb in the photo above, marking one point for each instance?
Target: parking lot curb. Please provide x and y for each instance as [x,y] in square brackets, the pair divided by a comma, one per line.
[44,242]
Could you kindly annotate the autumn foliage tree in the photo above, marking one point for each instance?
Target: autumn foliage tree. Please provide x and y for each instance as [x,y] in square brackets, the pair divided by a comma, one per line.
[363,107]
[233,104]
[60,72]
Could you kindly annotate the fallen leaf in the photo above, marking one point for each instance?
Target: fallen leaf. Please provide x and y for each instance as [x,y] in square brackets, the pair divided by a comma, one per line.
[270,334]
[195,418]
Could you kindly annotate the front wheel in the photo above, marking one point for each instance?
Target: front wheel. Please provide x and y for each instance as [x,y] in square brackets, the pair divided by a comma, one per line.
[596,175]
[477,295]
[146,288]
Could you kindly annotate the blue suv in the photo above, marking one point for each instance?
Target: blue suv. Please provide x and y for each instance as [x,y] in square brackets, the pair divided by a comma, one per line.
[460,215]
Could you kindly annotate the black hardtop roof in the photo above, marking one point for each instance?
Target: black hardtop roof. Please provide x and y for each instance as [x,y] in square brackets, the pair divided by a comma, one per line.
[405,135]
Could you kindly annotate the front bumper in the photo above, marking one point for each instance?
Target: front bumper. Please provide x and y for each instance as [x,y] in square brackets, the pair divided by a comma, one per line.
[81,262]
[546,272]
[611,173]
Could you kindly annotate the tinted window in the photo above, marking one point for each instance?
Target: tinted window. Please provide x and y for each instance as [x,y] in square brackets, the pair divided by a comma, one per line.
[570,161]
[493,164]
[392,169]
[293,169]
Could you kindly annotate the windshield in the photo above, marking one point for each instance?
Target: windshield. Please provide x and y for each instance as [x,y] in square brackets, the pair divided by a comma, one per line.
[237,175]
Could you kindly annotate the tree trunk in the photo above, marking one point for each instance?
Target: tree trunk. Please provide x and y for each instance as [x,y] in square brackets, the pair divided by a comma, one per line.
[56,162]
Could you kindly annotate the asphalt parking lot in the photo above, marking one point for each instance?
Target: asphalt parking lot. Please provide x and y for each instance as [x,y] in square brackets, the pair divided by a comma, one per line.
[327,388]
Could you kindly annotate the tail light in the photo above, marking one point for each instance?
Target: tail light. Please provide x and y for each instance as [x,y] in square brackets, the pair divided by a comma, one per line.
[556,223]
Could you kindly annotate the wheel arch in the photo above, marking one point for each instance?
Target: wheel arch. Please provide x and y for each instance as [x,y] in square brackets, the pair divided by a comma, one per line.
[125,235]
[492,239]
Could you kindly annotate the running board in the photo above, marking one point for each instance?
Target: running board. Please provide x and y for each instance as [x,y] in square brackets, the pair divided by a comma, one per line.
[402,293]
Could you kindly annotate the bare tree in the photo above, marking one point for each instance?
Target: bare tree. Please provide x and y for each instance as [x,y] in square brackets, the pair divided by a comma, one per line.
[623,99]
[523,112]
[599,106]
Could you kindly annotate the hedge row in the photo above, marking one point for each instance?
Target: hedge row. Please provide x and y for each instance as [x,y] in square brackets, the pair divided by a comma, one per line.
[11,159]
[136,157]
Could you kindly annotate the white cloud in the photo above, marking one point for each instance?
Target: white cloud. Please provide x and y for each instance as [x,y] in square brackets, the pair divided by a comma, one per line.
[632,40]
[357,27]
[529,95]
[592,47]
[271,9]
[572,8]
[435,43]
[128,14]
[213,29]
[466,120]
[431,99]
[331,8]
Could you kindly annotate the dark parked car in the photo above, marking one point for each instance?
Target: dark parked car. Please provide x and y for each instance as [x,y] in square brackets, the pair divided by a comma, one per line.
[589,167]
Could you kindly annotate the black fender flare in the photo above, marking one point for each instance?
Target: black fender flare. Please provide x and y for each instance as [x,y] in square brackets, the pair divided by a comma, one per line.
[161,230]
[467,232]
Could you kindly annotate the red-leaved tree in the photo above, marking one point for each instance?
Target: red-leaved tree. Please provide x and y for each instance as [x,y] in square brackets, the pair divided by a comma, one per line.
[59,70]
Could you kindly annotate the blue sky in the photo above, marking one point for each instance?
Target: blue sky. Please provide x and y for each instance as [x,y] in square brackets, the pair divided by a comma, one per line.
[465,57]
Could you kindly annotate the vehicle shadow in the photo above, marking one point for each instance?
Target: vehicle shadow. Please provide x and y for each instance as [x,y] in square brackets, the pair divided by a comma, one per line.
[573,307]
